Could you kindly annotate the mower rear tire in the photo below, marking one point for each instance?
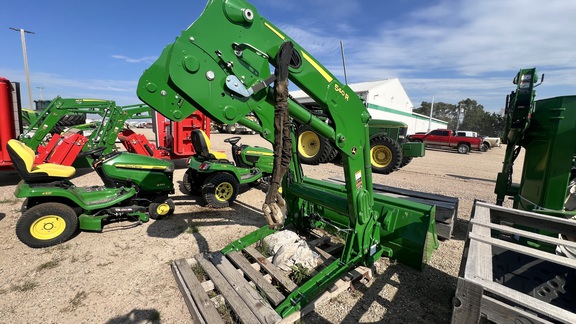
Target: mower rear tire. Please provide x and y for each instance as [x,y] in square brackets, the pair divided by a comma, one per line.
[161,207]
[220,190]
[46,225]
[190,182]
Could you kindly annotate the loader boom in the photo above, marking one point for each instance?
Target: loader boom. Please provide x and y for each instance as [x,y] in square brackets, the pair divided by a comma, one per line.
[220,65]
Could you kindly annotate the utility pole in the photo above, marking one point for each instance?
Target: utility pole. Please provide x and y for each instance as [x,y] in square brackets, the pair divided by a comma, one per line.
[430,118]
[40,88]
[22,32]
[343,62]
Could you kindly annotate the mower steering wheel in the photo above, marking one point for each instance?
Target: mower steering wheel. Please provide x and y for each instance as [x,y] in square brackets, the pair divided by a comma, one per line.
[233,140]
[94,153]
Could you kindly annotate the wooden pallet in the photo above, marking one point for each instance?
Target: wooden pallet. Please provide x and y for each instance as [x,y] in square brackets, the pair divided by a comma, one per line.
[506,282]
[446,206]
[248,286]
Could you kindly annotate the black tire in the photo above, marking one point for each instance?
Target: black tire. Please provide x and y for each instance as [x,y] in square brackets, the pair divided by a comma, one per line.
[231,129]
[311,146]
[161,207]
[405,161]
[463,148]
[485,147]
[385,154]
[333,154]
[190,182]
[66,121]
[328,154]
[46,225]
[220,190]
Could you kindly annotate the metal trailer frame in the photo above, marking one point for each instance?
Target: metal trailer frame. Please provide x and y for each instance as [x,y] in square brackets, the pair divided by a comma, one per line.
[486,292]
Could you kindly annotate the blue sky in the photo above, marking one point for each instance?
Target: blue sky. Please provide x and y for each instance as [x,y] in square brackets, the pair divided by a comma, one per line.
[449,49]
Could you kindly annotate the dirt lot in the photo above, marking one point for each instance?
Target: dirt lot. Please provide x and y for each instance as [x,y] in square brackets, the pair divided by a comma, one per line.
[122,275]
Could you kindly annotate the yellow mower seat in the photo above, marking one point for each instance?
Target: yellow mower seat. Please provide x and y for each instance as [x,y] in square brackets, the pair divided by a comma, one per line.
[203,146]
[23,159]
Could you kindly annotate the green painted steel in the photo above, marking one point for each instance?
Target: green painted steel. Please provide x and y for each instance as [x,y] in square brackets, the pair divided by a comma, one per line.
[104,134]
[151,174]
[546,130]
[548,160]
[219,65]
[83,197]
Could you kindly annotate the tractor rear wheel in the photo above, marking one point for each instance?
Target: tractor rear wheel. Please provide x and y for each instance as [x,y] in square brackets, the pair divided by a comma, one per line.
[161,207]
[220,189]
[311,146]
[46,224]
[385,154]
[67,121]
[405,161]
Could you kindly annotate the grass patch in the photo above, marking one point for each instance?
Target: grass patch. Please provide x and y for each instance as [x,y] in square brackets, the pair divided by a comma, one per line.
[48,265]
[299,274]
[262,247]
[26,286]
[9,201]
[76,302]
[199,272]
[226,314]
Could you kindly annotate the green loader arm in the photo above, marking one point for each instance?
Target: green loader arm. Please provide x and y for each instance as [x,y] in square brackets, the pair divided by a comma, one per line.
[58,108]
[220,65]
[519,108]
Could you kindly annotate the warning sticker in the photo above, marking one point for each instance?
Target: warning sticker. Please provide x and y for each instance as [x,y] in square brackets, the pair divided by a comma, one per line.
[358,177]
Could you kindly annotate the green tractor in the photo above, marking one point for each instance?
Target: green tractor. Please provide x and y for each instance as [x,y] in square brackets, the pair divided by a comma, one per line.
[389,149]
[135,188]
[218,179]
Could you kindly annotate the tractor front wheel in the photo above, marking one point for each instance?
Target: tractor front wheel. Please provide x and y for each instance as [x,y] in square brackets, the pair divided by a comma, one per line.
[220,190]
[46,224]
[385,154]
[405,161]
[311,146]
[161,207]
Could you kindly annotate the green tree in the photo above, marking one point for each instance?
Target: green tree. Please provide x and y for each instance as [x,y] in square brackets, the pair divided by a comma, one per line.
[472,116]
[442,111]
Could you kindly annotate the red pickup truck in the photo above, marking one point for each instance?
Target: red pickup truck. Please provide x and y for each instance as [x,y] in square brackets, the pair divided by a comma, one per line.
[448,138]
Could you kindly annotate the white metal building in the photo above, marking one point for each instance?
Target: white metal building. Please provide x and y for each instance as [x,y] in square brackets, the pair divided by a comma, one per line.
[387,99]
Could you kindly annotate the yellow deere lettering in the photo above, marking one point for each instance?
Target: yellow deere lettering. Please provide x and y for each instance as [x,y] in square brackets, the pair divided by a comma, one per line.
[259,153]
[341,91]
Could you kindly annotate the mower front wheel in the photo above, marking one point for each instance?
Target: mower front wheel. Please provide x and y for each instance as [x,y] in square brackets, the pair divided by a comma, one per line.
[220,190]
[46,224]
[161,207]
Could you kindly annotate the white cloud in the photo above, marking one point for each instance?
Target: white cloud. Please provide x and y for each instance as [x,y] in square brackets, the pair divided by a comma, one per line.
[121,91]
[146,59]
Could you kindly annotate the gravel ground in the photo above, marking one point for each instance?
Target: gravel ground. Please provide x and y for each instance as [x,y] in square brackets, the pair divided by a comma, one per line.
[122,275]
